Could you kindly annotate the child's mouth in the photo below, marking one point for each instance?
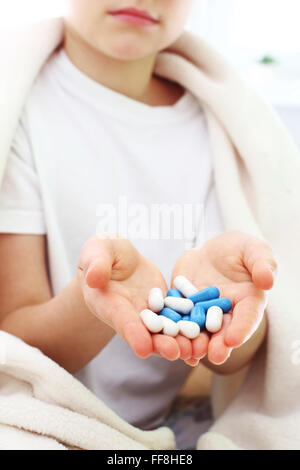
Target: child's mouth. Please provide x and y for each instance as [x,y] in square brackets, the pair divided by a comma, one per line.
[134,16]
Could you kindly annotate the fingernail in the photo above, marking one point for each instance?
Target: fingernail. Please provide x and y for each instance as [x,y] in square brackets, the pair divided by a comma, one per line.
[202,357]
[172,359]
[194,362]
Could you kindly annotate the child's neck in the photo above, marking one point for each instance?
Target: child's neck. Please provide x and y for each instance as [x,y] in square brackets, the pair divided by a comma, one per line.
[134,79]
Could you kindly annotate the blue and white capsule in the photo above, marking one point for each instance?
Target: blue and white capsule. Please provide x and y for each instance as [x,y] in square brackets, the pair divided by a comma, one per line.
[198,316]
[171,328]
[156,300]
[214,319]
[180,305]
[174,293]
[186,318]
[171,314]
[206,294]
[152,321]
[189,329]
[184,286]
[224,303]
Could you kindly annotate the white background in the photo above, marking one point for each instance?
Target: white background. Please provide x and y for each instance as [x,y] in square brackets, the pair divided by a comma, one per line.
[247,30]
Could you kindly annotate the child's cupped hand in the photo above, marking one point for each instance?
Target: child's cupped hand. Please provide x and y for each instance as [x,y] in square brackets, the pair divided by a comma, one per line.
[115,280]
[243,268]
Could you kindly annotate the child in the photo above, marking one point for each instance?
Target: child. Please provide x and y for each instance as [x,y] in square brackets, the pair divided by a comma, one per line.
[98,125]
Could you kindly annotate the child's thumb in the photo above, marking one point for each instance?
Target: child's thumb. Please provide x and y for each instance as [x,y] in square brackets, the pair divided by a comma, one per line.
[95,262]
[260,261]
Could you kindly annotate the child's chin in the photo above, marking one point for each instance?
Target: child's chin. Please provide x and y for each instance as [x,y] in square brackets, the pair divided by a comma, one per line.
[129,51]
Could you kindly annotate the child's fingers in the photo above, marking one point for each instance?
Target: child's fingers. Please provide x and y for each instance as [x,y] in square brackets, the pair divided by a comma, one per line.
[166,346]
[123,318]
[260,261]
[218,351]
[185,347]
[263,275]
[200,345]
[199,349]
[190,351]
[247,315]
[138,337]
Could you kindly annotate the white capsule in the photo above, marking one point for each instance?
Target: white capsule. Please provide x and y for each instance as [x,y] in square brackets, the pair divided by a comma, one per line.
[180,305]
[214,319]
[156,300]
[170,327]
[185,286]
[152,321]
[189,329]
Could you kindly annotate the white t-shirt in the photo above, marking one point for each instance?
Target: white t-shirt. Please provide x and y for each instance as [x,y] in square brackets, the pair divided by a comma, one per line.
[84,155]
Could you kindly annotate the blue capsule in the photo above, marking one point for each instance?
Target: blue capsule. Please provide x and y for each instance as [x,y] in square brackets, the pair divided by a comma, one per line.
[171,314]
[198,315]
[173,293]
[186,318]
[223,303]
[205,294]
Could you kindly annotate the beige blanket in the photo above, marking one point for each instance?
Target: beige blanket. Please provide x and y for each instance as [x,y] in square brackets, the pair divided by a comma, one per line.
[257,170]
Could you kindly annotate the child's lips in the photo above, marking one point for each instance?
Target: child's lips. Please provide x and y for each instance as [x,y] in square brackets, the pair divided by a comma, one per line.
[134,16]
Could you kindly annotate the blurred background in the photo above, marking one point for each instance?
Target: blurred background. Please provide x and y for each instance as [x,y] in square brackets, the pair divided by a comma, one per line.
[261,38]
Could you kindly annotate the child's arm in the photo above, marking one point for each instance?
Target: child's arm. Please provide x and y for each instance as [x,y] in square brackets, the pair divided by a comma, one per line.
[106,295]
[243,268]
[62,326]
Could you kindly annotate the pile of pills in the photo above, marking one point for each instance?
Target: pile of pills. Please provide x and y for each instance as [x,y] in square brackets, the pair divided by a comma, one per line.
[185,310]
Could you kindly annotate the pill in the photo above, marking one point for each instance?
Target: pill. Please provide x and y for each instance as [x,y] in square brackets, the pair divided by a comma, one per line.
[152,321]
[189,329]
[171,314]
[183,306]
[185,286]
[205,294]
[214,319]
[198,316]
[156,300]
[223,303]
[173,293]
[186,317]
[170,327]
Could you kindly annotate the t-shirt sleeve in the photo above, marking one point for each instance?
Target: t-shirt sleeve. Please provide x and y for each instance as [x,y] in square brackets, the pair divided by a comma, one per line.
[21,208]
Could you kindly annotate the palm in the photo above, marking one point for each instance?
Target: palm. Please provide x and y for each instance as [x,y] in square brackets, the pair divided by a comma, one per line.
[127,293]
[116,290]
[222,262]
[215,265]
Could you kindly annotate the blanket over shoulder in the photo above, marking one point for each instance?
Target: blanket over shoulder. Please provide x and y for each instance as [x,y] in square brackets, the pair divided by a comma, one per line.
[257,169]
